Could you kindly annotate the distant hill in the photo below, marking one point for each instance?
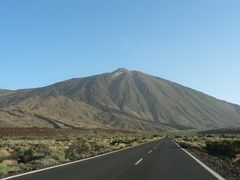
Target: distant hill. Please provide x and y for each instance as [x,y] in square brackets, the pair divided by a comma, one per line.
[4,92]
[222,131]
[123,99]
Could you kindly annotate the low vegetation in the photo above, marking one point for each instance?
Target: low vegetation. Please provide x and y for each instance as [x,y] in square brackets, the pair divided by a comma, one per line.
[221,150]
[22,154]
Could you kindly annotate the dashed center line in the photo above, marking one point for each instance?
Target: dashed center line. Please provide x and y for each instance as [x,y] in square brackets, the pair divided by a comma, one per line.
[150,152]
[155,147]
[140,160]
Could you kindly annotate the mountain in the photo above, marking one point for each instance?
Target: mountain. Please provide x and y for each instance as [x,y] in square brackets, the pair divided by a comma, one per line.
[221,131]
[123,99]
[4,92]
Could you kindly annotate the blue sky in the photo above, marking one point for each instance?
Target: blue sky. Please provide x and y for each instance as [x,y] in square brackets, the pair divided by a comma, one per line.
[194,43]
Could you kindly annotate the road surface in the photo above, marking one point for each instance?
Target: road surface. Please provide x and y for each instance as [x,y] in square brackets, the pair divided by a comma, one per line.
[158,160]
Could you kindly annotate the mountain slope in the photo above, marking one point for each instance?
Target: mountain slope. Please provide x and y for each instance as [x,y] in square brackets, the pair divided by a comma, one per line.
[122,99]
[4,92]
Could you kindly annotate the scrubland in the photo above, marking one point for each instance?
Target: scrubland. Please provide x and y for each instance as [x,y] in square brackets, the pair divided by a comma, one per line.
[220,152]
[22,154]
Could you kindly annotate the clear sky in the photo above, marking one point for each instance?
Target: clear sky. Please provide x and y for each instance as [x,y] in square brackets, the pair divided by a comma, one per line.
[192,42]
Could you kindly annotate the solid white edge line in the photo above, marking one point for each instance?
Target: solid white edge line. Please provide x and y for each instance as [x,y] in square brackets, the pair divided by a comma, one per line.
[74,162]
[201,163]
[140,160]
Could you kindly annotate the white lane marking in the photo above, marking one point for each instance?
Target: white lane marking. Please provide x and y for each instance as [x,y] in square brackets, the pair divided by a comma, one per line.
[154,147]
[140,160]
[201,163]
[150,152]
[177,144]
[74,162]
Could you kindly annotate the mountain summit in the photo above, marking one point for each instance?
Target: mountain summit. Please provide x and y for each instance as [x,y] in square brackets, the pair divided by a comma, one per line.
[121,70]
[122,99]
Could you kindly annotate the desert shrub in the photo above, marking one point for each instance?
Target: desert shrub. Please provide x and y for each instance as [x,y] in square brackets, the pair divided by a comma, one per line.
[223,136]
[33,152]
[6,153]
[223,148]
[236,145]
[209,136]
[63,138]
[155,135]
[9,162]
[28,156]
[97,146]
[185,144]
[41,150]
[78,150]
[45,162]
[127,141]
[115,141]
[237,162]
[130,141]
[20,151]
[4,169]
[57,154]
[233,136]
[185,138]
[89,138]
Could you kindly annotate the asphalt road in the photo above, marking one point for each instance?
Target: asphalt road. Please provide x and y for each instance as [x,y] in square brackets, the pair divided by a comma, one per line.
[159,160]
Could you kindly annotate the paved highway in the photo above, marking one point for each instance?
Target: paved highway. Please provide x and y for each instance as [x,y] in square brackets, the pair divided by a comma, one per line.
[159,160]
